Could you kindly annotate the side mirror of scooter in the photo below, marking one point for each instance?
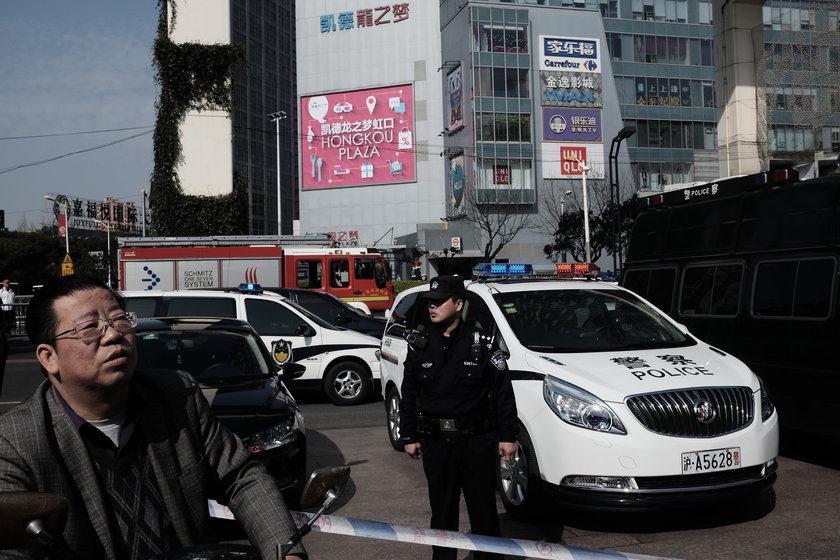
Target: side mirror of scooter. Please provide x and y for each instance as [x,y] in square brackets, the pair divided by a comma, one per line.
[33,517]
[324,486]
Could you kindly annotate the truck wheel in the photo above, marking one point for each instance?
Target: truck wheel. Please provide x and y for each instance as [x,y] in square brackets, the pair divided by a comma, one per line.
[347,383]
[392,418]
[519,480]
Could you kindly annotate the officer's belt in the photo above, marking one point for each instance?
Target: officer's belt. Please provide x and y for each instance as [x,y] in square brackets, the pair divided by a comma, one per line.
[470,425]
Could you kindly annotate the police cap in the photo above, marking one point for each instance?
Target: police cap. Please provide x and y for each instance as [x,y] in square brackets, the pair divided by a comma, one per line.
[444,287]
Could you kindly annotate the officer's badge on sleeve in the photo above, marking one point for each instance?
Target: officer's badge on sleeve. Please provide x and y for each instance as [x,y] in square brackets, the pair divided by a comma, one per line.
[499,360]
[281,350]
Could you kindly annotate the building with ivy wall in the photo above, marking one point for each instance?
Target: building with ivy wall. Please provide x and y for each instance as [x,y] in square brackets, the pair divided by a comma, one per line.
[219,145]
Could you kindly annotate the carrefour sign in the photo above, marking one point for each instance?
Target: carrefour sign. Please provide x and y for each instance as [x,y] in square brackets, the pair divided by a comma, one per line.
[570,54]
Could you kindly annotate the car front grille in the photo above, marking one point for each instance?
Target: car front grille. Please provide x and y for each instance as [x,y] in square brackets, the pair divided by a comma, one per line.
[675,413]
[704,480]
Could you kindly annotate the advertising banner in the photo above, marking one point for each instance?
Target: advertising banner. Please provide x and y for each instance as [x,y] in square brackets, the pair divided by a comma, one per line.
[570,54]
[572,125]
[454,109]
[570,89]
[457,185]
[357,138]
[558,160]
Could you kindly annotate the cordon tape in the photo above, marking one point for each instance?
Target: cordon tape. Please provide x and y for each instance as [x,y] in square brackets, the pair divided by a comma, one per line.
[434,537]
[464,541]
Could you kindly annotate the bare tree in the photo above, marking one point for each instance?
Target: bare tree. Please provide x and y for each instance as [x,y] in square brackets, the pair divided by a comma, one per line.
[498,221]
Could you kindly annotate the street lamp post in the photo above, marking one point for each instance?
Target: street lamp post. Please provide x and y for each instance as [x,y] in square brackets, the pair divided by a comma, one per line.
[276,117]
[563,213]
[584,170]
[108,233]
[615,195]
[61,199]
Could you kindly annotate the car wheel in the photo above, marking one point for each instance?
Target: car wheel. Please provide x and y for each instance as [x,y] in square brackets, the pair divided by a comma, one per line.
[392,418]
[347,383]
[519,480]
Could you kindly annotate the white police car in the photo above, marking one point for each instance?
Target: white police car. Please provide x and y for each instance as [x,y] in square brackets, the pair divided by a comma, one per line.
[618,405]
[344,363]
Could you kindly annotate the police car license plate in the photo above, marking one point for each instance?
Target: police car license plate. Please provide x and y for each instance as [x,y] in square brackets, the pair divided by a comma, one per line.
[711,460]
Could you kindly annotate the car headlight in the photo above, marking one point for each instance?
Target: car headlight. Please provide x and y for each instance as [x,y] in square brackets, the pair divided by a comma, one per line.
[767,407]
[273,436]
[577,407]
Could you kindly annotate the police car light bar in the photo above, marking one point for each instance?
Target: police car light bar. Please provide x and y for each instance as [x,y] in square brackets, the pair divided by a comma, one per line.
[250,288]
[568,270]
[499,270]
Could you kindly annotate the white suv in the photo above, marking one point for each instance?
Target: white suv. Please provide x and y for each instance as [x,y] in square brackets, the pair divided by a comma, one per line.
[618,405]
[344,363]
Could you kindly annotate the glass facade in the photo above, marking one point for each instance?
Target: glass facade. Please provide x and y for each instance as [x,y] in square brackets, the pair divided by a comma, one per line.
[502,108]
[267,32]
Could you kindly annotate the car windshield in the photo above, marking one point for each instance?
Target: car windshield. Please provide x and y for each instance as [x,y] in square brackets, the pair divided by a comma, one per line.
[206,355]
[589,320]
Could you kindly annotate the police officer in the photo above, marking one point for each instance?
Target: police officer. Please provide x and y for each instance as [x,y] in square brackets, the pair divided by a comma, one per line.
[457,412]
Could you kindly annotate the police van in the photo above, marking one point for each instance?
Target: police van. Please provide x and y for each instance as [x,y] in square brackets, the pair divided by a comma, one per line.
[341,362]
[750,264]
[619,406]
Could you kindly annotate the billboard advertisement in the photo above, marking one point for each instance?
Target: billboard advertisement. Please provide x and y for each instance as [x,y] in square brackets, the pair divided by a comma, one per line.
[457,184]
[570,54]
[357,138]
[454,107]
[571,125]
[570,89]
[558,160]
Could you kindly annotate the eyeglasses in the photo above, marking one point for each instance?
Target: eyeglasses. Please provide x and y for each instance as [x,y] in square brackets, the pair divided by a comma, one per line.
[95,329]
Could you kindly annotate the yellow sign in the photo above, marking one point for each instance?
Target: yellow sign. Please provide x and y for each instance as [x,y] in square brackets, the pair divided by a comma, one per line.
[67,266]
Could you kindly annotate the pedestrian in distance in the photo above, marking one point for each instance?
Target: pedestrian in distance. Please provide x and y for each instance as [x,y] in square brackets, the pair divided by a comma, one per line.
[457,412]
[136,454]
[7,299]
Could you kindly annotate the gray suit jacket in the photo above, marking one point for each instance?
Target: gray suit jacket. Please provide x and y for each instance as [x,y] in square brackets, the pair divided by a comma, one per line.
[193,457]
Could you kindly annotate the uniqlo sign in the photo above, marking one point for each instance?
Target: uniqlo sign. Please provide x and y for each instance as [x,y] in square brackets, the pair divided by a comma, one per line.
[501,174]
[556,164]
[568,153]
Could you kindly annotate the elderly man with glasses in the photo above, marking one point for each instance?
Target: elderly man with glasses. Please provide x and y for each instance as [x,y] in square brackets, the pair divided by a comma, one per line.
[137,455]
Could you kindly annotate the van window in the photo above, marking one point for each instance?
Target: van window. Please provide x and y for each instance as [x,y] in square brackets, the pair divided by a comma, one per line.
[198,307]
[143,306]
[271,319]
[339,273]
[364,269]
[655,285]
[379,274]
[477,313]
[711,290]
[796,288]
[309,274]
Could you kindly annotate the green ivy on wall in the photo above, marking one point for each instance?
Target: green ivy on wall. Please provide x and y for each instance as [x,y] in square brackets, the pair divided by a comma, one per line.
[191,77]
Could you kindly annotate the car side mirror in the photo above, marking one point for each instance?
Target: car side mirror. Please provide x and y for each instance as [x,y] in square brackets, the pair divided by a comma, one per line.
[304,330]
[291,370]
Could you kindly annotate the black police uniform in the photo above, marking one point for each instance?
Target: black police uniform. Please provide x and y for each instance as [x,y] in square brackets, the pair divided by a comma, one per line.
[458,405]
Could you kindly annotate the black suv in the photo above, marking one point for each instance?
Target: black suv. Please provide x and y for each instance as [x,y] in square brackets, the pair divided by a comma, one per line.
[242,383]
[334,310]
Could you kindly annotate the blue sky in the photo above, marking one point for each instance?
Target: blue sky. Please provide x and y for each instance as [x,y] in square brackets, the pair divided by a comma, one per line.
[72,67]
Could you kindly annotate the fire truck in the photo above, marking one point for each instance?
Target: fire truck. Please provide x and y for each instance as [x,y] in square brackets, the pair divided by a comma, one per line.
[354,274]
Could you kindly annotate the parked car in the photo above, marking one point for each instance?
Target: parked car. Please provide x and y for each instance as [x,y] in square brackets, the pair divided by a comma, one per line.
[619,406]
[241,381]
[342,363]
[334,310]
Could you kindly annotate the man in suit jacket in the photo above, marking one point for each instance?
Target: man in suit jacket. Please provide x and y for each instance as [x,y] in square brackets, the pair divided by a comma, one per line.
[137,455]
